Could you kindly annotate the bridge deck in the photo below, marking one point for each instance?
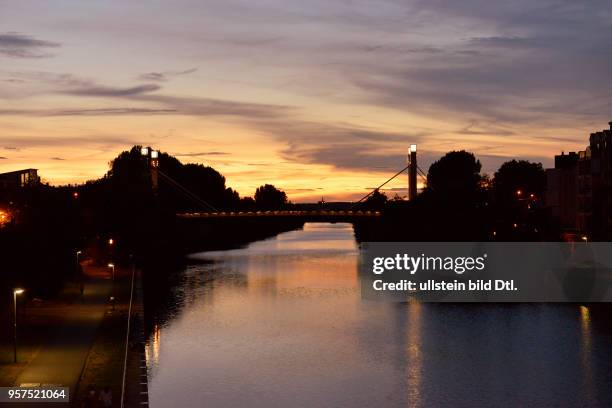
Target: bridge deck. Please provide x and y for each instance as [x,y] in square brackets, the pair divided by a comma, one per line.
[305,214]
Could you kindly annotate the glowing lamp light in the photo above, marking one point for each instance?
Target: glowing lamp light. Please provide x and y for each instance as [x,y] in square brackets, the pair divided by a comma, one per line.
[111,265]
[111,241]
[144,151]
[154,154]
[413,148]
[519,192]
[18,291]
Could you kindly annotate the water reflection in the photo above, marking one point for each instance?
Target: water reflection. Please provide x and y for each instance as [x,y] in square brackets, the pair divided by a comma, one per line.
[281,323]
[586,352]
[414,357]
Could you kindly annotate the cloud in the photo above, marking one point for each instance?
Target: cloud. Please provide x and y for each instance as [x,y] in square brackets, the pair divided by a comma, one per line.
[98,141]
[213,153]
[165,75]
[58,158]
[473,71]
[342,146]
[160,104]
[500,41]
[107,91]
[3,158]
[200,106]
[86,112]
[18,45]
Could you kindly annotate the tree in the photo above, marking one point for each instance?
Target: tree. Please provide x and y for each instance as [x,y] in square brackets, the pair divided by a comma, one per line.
[376,200]
[518,179]
[268,197]
[455,176]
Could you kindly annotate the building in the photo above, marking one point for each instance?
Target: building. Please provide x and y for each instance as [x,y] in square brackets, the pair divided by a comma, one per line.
[562,189]
[585,191]
[600,144]
[579,188]
[19,178]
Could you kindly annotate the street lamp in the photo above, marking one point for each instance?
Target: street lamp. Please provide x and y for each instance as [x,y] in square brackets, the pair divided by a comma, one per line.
[585,238]
[112,266]
[111,241]
[144,151]
[16,291]
[77,256]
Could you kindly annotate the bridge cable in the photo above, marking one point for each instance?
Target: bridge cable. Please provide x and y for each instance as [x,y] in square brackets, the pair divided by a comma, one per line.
[423,175]
[378,188]
[184,190]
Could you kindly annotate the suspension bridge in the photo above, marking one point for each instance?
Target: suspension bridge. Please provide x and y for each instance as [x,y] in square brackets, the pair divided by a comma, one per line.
[320,215]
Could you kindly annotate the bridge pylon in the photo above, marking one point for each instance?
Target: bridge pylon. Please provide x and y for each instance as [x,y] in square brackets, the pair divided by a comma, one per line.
[412,172]
[152,159]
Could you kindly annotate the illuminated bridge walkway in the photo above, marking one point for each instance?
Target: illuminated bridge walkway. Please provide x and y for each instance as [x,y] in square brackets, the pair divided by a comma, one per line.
[313,215]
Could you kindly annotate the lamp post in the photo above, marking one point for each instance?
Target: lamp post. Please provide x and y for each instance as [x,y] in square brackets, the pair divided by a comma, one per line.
[16,291]
[77,256]
[112,266]
[585,238]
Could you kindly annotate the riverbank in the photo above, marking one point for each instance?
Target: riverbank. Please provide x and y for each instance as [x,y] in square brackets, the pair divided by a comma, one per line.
[56,335]
[105,362]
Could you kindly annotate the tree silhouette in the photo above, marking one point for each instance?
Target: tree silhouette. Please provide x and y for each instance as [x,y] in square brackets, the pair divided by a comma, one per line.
[268,197]
[455,176]
[518,179]
[376,201]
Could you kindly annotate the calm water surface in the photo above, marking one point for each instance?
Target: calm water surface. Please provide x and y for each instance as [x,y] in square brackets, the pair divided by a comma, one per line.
[281,323]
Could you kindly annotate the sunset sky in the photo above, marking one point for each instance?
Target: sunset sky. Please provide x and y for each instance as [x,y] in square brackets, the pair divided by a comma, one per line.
[319,97]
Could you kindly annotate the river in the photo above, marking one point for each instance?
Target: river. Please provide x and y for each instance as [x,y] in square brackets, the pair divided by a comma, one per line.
[281,323]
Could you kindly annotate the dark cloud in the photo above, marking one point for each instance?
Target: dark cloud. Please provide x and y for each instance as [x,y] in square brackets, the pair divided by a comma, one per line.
[199,106]
[18,45]
[543,62]
[100,141]
[300,190]
[58,158]
[106,91]
[343,146]
[3,158]
[86,112]
[499,41]
[165,75]
[68,84]
[213,153]
[477,128]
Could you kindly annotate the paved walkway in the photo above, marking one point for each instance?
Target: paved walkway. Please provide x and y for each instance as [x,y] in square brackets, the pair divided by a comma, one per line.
[61,358]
